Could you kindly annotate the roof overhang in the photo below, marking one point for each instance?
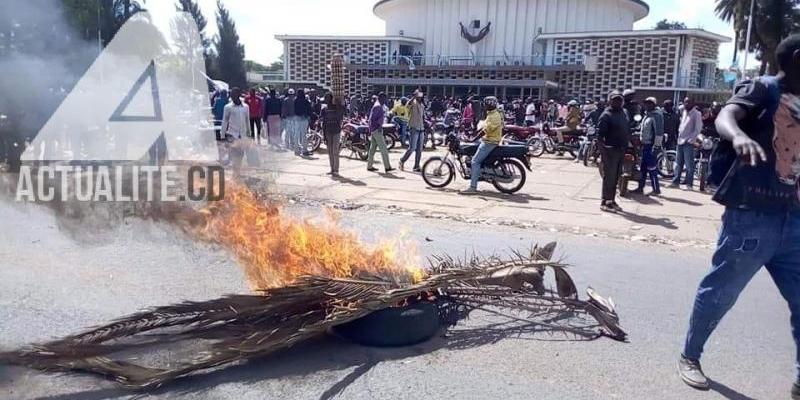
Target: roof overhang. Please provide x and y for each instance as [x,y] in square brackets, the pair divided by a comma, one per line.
[637,33]
[643,9]
[407,39]
[540,83]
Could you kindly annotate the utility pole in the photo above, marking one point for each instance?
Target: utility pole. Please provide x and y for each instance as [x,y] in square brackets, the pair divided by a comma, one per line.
[747,40]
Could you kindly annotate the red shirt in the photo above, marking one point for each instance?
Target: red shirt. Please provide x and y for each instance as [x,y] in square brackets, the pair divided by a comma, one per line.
[254,103]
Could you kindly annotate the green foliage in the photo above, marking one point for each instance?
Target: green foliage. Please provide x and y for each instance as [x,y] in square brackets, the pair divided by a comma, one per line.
[667,25]
[773,21]
[230,66]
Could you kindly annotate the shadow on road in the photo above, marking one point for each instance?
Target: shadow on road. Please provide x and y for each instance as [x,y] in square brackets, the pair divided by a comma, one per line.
[680,200]
[331,353]
[727,392]
[645,220]
[520,198]
[348,181]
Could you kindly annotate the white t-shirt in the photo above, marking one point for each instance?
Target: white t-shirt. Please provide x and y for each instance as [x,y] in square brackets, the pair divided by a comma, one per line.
[236,120]
[530,112]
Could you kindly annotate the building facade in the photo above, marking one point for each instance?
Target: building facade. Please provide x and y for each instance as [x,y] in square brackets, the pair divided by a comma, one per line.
[565,49]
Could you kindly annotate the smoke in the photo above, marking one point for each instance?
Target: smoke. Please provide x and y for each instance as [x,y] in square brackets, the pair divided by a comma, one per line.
[41,58]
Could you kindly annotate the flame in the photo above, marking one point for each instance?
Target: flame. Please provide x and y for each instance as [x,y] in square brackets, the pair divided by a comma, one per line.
[275,249]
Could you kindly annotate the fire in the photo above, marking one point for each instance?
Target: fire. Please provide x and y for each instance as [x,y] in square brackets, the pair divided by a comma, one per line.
[275,249]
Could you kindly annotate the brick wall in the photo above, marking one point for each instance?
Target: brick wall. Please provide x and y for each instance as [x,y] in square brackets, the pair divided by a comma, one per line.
[308,58]
[623,62]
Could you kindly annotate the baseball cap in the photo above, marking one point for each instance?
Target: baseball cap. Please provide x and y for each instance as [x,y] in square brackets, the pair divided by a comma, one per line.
[614,94]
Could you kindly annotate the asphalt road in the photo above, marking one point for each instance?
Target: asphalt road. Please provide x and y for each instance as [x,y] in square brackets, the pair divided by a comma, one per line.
[55,281]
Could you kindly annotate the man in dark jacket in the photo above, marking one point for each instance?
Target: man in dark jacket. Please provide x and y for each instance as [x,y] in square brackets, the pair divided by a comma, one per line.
[613,135]
[272,118]
[671,123]
[302,111]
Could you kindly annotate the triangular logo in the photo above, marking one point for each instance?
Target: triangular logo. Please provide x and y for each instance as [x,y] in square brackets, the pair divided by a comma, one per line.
[136,99]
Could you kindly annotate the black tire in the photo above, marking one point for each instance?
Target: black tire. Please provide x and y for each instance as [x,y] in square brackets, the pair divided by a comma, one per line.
[623,186]
[393,327]
[362,154]
[391,142]
[535,147]
[314,142]
[666,164]
[511,165]
[437,167]
[586,155]
[703,176]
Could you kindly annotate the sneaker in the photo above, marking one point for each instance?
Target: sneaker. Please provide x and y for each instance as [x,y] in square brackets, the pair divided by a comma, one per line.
[389,170]
[402,167]
[614,206]
[796,391]
[372,169]
[417,169]
[655,193]
[606,207]
[692,374]
[469,191]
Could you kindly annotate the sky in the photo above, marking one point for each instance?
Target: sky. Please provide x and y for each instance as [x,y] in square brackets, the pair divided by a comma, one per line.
[258,21]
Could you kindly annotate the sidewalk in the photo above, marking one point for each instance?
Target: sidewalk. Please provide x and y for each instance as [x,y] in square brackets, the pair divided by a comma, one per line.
[559,195]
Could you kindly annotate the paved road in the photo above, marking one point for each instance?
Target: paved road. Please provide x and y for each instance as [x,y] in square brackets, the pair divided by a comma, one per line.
[52,284]
[559,195]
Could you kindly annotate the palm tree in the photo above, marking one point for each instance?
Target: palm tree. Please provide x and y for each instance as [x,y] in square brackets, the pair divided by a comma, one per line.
[773,21]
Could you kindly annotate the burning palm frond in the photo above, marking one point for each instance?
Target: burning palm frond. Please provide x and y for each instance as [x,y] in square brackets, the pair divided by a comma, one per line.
[237,328]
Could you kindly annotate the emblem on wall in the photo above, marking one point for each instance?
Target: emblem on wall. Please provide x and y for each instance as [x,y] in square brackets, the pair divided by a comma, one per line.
[471,38]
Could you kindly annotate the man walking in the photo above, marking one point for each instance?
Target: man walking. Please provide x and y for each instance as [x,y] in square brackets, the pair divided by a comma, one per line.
[377,116]
[302,112]
[690,127]
[761,224]
[333,111]
[272,118]
[613,135]
[416,124]
[491,133]
[652,138]
[255,105]
[288,118]
[236,126]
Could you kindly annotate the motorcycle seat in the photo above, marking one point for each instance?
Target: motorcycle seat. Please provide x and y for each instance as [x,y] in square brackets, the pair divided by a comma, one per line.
[470,149]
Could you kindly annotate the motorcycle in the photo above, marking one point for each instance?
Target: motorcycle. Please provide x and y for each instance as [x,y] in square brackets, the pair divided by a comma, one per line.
[314,138]
[355,138]
[705,147]
[527,136]
[546,142]
[504,168]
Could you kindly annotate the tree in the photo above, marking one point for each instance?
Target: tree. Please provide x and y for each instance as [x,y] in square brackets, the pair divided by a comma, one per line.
[230,53]
[773,21]
[104,16]
[666,25]
[191,7]
[251,65]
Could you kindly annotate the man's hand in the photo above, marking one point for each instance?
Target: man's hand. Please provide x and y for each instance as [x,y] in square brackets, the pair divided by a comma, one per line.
[749,149]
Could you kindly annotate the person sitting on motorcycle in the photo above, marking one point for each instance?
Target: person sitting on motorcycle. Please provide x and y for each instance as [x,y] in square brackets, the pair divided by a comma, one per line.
[572,121]
[490,131]
[631,106]
[652,140]
[400,117]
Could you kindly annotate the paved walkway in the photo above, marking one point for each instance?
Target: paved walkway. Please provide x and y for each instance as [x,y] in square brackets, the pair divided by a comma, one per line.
[559,195]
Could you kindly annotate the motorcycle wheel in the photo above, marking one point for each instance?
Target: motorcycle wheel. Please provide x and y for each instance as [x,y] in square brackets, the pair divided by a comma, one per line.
[589,150]
[703,175]
[391,141]
[666,164]
[623,186]
[437,172]
[511,171]
[314,142]
[535,147]
[362,154]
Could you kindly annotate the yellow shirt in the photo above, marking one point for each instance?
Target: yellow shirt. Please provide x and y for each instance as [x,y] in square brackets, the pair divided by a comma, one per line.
[400,111]
[493,127]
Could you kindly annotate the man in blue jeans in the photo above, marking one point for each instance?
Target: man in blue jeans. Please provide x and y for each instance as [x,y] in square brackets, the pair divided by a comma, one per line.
[690,127]
[760,161]
[490,131]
